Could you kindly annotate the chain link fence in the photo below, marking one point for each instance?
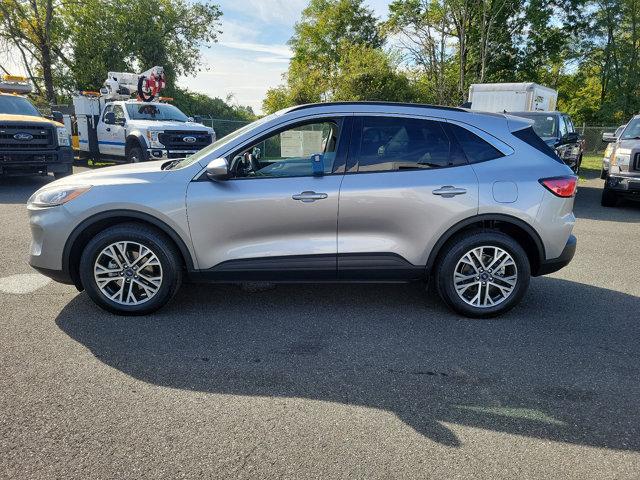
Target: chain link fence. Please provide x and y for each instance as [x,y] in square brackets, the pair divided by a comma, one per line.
[593,137]
[222,126]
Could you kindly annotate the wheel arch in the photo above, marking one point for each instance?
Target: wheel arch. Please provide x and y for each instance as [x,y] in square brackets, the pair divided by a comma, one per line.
[135,140]
[518,229]
[89,227]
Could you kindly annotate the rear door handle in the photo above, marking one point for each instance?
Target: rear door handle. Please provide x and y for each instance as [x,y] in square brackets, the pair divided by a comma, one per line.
[449,191]
[307,197]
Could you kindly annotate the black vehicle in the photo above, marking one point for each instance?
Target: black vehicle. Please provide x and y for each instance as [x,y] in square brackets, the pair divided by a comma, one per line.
[557,130]
[29,143]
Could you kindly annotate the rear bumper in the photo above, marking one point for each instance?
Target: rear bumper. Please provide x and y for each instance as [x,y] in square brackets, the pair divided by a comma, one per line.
[21,162]
[555,264]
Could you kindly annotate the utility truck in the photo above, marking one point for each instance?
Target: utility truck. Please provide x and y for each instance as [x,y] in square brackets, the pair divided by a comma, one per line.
[111,125]
[30,144]
[512,97]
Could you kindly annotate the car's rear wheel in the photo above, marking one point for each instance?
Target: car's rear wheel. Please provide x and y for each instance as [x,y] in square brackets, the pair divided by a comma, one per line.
[483,274]
[609,198]
[130,269]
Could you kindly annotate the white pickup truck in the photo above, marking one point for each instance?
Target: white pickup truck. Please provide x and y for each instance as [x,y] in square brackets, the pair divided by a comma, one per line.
[136,131]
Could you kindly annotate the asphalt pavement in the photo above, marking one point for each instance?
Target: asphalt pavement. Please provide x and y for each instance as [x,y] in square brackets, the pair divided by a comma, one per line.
[326,381]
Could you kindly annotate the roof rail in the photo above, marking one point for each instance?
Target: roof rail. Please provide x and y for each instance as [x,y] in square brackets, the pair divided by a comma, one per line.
[400,104]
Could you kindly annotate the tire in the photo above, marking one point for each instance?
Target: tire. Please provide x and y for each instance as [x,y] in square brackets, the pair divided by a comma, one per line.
[59,175]
[576,169]
[609,198]
[166,266]
[135,154]
[492,242]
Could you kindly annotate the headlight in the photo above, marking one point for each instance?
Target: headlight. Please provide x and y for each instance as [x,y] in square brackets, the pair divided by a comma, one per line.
[64,139]
[152,138]
[620,160]
[51,197]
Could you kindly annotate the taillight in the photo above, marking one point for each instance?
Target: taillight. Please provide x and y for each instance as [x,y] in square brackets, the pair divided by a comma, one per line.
[564,187]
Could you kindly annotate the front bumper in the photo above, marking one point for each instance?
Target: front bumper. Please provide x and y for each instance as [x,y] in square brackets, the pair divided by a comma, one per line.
[21,162]
[555,264]
[163,154]
[627,184]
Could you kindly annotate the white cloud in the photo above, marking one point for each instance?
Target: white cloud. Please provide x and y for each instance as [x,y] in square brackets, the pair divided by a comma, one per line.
[278,50]
[239,72]
[268,12]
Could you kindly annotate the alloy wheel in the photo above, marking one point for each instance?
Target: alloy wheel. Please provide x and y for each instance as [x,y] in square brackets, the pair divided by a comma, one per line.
[485,276]
[128,273]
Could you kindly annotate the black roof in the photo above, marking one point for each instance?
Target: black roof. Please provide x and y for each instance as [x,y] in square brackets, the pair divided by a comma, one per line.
[398,104]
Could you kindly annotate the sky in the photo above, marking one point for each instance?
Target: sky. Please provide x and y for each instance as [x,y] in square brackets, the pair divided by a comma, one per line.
[252,52]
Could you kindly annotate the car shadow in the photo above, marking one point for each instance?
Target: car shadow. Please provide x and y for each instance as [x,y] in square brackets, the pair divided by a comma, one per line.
[587,205]
[562,366]
[18,189]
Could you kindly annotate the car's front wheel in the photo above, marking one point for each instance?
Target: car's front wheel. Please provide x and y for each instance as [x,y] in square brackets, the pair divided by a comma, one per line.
[135,154]
[609,198]
[483,274]
[130,269]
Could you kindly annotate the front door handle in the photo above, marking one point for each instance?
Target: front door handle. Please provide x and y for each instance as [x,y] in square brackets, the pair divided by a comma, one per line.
[108,129]
[449,191]
[307,197]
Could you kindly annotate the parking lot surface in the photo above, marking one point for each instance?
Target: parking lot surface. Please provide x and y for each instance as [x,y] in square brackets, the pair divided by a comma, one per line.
[326,381]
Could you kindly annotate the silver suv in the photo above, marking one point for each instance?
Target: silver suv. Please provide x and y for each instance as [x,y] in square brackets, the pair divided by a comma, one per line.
[337,192]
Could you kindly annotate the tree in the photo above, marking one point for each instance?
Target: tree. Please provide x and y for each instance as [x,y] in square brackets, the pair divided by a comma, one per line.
[367,73]
[319,40]
[33,28]
[112,35]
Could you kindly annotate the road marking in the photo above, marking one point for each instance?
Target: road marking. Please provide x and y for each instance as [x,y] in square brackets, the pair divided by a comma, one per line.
[23,283]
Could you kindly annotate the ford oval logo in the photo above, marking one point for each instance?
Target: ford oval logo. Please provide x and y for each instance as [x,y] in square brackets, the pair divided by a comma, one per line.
[23,137]
[189,139]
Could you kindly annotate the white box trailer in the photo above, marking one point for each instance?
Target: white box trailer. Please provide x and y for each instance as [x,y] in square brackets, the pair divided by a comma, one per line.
[512,97]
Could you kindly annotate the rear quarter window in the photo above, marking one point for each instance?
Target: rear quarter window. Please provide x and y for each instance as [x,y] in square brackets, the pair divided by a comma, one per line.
[530,137]
[475,148]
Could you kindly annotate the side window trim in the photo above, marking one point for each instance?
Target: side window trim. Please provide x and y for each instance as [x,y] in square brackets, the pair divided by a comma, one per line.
[504,148]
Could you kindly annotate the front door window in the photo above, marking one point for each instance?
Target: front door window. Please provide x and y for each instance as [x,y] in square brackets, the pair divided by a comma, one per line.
[301,151]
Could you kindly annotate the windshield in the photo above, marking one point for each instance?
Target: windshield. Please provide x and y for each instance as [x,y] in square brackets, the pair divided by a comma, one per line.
[543,125]
[15,105]
[221,142]
[155,111]
[632,131]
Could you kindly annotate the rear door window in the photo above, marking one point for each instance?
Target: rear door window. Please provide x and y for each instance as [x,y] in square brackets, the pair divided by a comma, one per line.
[391,144]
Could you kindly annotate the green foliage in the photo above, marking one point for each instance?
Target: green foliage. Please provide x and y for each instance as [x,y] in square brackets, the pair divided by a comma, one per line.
[193,104]
[110,35]
[366,73]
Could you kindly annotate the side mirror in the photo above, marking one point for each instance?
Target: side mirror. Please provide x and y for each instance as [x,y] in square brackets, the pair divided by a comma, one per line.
[571,137]
[110,118]
[218,169]
[609,137]
[317,162]
[121,121]
[197,119]
[57,116]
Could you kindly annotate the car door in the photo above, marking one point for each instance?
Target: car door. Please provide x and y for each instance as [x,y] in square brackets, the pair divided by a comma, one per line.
[118,132]
[104,130]
[407,182]
[276,216]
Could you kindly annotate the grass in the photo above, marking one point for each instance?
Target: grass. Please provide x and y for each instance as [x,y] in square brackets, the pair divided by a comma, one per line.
[591,166]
